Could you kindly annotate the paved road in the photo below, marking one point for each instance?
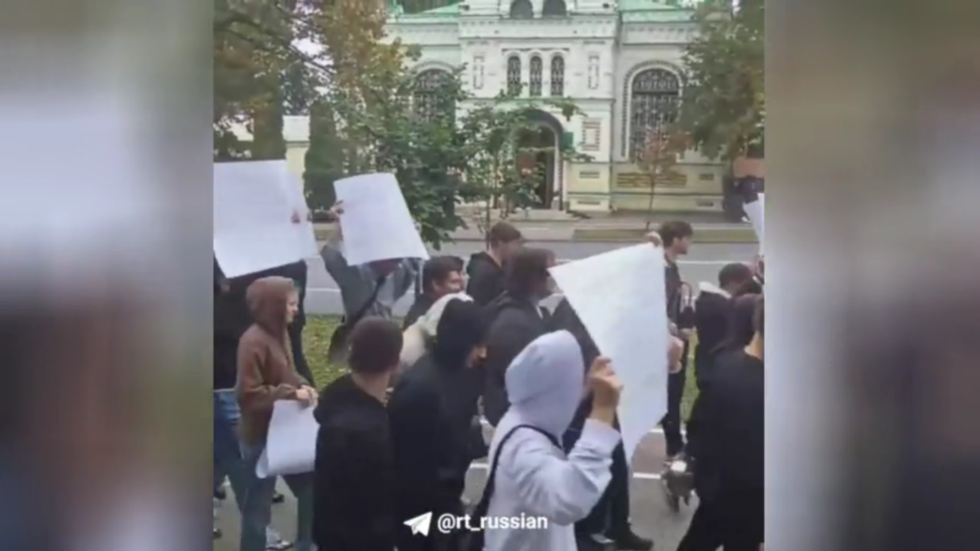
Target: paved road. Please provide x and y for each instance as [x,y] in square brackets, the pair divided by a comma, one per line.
[650,514]
[702,264]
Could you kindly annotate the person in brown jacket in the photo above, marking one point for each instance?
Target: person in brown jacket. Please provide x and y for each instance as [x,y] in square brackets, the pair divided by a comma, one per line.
[267,373]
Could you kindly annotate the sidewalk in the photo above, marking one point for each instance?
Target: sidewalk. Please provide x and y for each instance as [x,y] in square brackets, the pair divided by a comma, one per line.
[609,229]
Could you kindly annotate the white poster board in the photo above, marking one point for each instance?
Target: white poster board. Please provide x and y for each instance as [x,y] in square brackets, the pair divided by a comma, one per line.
[253,228]
[620,298]
[376,223]
[291,445]
[756,211]
[305,233]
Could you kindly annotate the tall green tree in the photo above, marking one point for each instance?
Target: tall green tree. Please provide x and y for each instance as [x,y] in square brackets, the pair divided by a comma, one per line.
[723,105]
[326,159]
[253,52]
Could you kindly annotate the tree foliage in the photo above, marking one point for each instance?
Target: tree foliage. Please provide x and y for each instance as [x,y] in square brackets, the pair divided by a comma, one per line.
[723,104]
[258,72]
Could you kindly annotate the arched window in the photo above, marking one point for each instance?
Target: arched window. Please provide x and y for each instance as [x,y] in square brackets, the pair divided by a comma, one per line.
[554,8]
[514,75]
[428,99]
[536,68]
[654,95]
[521,9]
[557,76]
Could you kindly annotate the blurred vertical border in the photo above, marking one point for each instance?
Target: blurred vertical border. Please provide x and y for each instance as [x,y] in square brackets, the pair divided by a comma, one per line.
[105,311]
[873,168]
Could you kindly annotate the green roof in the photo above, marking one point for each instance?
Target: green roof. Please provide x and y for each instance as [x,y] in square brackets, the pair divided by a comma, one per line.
[632,10]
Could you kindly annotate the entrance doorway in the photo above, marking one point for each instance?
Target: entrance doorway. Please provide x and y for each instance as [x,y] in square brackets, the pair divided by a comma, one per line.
[543,158]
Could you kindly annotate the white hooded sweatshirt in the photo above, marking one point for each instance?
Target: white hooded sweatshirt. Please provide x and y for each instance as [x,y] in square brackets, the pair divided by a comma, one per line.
[545,384]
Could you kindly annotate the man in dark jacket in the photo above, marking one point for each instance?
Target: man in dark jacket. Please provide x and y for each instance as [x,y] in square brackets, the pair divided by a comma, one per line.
[727,446]
[676,237]
[713,310]
[431,411]
[441,276]
[486,269]
[354,472]
[516,320]
[609,521]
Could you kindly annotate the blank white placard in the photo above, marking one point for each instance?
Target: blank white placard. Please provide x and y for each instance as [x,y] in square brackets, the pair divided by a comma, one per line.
[253,230]
[304,230]
[291,444]
[376,223]
[620,298]
[756,211]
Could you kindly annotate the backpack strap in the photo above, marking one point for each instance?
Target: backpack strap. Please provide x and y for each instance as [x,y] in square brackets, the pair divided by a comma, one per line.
[475,542]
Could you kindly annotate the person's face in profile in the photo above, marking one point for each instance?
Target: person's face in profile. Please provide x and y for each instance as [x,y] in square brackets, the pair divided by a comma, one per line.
[682,245]
[452,284]
[292,306]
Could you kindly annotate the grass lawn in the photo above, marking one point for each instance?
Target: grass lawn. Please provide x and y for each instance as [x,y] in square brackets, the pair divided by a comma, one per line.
[316,340]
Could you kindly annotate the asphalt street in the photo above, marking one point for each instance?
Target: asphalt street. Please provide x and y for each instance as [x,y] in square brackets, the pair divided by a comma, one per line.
[650,513]
[702,264]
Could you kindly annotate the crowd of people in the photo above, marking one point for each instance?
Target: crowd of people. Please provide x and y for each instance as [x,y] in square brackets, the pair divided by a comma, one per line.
[400,429]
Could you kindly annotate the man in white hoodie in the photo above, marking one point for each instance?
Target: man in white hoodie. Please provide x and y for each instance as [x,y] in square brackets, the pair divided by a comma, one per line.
[530,474]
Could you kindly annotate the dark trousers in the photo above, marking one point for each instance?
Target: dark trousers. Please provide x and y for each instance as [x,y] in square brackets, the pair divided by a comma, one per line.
[611,513]
[738,526]
[671,422]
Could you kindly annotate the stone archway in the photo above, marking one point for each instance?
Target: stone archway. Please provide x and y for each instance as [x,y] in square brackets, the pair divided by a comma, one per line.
[544,137]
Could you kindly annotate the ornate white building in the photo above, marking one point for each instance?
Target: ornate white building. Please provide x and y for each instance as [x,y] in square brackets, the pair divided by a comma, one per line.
[618,61]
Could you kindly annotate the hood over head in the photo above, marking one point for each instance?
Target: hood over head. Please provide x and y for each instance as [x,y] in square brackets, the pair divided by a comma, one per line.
[429,322]
[267,298]
[545,382]
[462,327]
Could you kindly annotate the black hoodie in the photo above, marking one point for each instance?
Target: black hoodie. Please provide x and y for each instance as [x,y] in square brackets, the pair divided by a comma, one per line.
[354,473]
[515,322]
[486,278]
[713,311]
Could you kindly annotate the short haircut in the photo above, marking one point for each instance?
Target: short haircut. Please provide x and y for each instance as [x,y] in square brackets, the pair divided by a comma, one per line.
[502,233]
[527,270]
[759,316]
[375,346]
[437,269]
[674,230]
[735,273]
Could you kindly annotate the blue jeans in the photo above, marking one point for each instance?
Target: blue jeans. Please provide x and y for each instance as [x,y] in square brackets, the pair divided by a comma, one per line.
[228,459]
[257,508]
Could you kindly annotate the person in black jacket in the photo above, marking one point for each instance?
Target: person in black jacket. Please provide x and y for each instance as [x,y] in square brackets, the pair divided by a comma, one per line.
[713,310]
[676,237]
[486,269]
[431,410]
[609,521]
[727,446]
[354,472]
[441,276]
[516,320]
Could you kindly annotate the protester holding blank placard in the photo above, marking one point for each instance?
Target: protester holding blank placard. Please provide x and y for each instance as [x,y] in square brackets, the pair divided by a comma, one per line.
[266,373]
[370,289]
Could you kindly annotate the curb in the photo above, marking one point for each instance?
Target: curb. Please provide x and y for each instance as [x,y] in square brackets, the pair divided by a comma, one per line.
[746,236]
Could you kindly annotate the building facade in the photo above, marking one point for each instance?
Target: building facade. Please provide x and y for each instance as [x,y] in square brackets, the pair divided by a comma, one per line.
[620,62]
